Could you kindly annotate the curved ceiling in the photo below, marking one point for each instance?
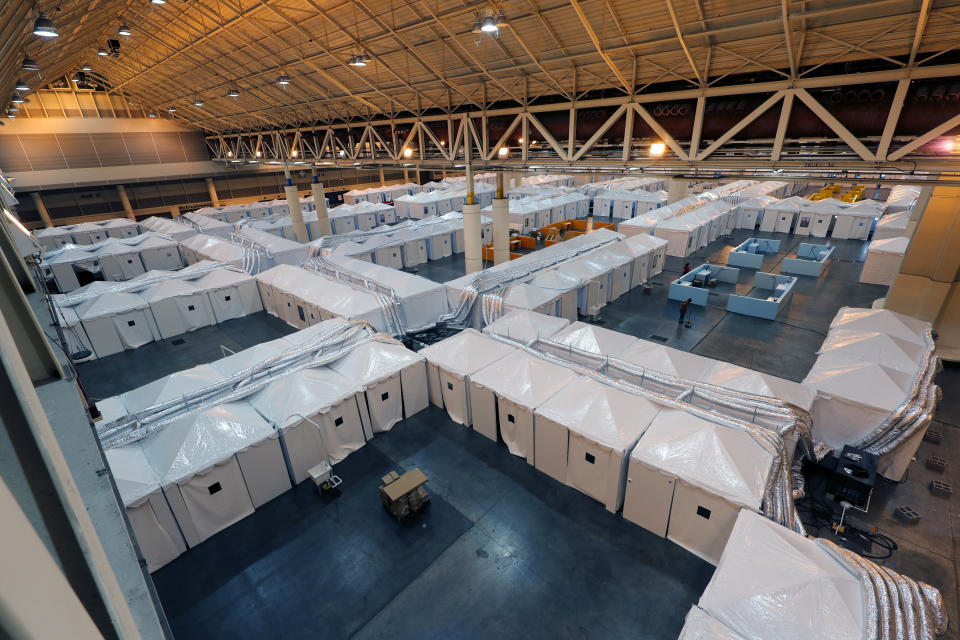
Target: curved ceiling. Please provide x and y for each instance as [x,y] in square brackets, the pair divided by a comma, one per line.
[424,55]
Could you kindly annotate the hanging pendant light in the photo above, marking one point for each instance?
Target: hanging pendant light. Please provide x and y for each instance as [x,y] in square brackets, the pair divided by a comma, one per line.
[489,24]
[152,114]
[477,24]
[21,85]
[233,93]
[103,53]
[500,20]
[16,99]
[171,109]
[124,30]
[197,102]
[86,67]
[159,1]
[29,64]
[283,79]
[44,27]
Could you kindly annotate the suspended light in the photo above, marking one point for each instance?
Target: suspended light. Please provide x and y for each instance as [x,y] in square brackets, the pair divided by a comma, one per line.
[342,153]
[103,53]
[258,153]
[408,152]
[236,161]
[124,30]
[198,102]
[358,60]
[294,153]
[11,114]
[519,140]
[29,64]
[21,86]
[44,27]
[80,78]
[159,1]
[489,24]
[13,108]
[152,114]
[503,152]
[16,99]
[657,149]
[477,24]
[233,93]
[171,109]
[86,67]
[443,143]
[283,80]
[229,154]
[500,20]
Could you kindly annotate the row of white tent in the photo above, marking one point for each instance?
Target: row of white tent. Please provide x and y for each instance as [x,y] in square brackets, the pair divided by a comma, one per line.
[534,212]
[607,266]
[687,225]
[774,583]
[660,464]
[51,238]
[902,198]
[640,183]
[386,193]
[868,367]
[114,259]
[249,249]
[439,201]
[104,318]
[304,297]
[820,218]
[231,213]
[346,218]
[176,228]
[216,464]
[883,261]
[412,242]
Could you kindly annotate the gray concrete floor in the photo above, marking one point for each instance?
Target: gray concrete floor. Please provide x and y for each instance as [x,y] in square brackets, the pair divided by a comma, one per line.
[503,550]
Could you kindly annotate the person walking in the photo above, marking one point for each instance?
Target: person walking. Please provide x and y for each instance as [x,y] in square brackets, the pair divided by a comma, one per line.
[683,309]
[686,268]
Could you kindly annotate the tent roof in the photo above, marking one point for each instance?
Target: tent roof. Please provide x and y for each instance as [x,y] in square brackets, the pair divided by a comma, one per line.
[592,339]
[721,460]
[556,280]
[467,352]
[170,387]
[134,476]
[601,413]
[375,360]
[527,296]
[896,246]
[117,302]
[200,440]
[731,376]
[882,348]
[685,222]
[305,392]
[647,240]
[774,583]
[524,325]
[881,320]
[867,383]
[524,379]
[219,278]
[664,359]
[168,289]
[236,362]
[700,626]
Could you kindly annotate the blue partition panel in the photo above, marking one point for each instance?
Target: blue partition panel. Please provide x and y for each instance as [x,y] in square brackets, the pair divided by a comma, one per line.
[683,287]
[810,260]
[750,252]
[770,292]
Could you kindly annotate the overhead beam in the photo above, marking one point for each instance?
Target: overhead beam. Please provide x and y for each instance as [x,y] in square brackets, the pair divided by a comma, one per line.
[599,46]
[683,42]
[660,131]
[852,141]
[740,126]
[781,135]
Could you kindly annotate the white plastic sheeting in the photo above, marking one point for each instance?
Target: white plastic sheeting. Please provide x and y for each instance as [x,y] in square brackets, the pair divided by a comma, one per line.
[774,583]
[688,478]
[451,363]
[117,322]
[507,391]
[523,326]
[176,230]
[884,257]
[698,625]
[583,437]
[592,339]
[178,306]
[114,259]
[892,225]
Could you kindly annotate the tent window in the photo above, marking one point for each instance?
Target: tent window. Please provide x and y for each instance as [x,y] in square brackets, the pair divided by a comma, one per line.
[338,421]
[214,488]
[190,307]
[300,313]
[226,298]
[589,457]
[703,512]
[131,323]
[510,418]
[129,261]
[384,396]
[450,386]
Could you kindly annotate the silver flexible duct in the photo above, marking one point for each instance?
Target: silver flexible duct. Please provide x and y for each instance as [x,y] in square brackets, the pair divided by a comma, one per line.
[333,343]
[778,502]
[390,303]
[74,298]
[331,242]
[895,607]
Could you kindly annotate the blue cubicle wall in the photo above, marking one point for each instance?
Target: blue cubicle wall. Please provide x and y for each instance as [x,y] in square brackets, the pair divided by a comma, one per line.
[683,287]
[810,260]
[749,254]
[776,291]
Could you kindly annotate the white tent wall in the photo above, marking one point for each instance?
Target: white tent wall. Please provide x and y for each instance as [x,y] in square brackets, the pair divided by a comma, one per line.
[121,323]
[893,225]
[200,516]
[176,230]
[52,238]
[524,326]
[179,312]
[855,226]
[884,257]
[282,251]
[233,294]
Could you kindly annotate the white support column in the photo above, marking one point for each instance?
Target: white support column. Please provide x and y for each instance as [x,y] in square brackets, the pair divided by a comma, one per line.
[320,200]
[213,192]
[472,250]
[41,209]
[293,201]
[627,135]
[677,189]
[501,225]
[125,201]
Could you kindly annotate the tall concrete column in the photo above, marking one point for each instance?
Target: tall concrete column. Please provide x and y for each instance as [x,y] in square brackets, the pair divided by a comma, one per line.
[125,201]
[213,192]
[677,189]
[501,225]
[382,181]
[174,211]
[320,200]
[473,252]
[296,214]
[41,209]
[928,286]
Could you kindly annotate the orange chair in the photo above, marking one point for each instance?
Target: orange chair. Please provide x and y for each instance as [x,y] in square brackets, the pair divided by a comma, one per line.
[527,242]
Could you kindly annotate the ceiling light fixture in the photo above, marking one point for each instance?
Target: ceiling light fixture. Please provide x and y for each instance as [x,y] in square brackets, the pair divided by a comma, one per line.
[103,53]
[489,24]
[501,20]
[233,93]
[359,59]
[197,102]
[258,153]
[124,30]
[159,1]
[294,153]
[44,27]
[11,114]
[477,24]
[229,154]
[29,64]
[16,99]
[503,152]
[171,109]
[13,108]
[21,86]
[283,79]
[152,114]
[86,67]
[657,149]
[408,152]
[80,78]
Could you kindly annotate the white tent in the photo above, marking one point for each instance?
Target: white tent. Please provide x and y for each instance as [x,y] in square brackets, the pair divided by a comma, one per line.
[157,251]
[208,247]
[529,297]
[902,198]
[280,250]
[120,228]
[119,260]
[689,477]
[698,625]
[583,436]
[51,238]
[683,234]
[393,380]
[891,351]
[211,226]
[273,285]
[774,583]
[524,326]
[664,359]
[153,523]
[233,293]
[884,257]
[117,322]
[892,225]
[563,288]
[593,292]
[584,337]
[73,331]
[855,222]
[178,306]
[882,320]
[853,398]
[450,365]
[507,392]
[658,247]
[780,216]
[319,416]
[89,233]
[67,263]
[731,376]
[168,388]
[216,466]
[750,211]
[176,230]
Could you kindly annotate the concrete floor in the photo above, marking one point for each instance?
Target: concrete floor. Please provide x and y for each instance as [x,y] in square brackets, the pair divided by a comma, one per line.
[502,549]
